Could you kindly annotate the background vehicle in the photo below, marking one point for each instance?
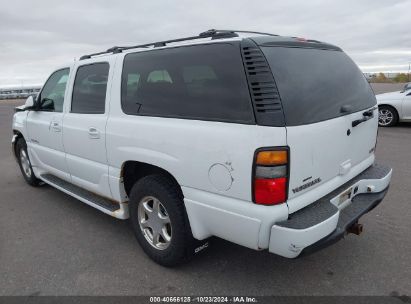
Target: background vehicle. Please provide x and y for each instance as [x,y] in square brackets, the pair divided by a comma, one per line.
[407,87]
[394,107]
[211,138]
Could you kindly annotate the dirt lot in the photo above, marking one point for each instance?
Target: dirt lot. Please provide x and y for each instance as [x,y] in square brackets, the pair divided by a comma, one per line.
[52,244]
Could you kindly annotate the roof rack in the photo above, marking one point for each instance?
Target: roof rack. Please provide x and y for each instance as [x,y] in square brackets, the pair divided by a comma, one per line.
[246,32]
[213,34]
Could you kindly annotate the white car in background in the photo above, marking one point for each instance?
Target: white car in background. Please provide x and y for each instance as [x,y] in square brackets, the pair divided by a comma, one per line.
[394,107]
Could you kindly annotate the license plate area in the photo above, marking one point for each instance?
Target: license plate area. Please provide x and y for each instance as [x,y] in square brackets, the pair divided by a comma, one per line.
[346,195]
[343,199]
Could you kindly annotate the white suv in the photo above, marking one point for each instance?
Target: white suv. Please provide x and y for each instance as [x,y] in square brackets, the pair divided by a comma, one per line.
[263,140]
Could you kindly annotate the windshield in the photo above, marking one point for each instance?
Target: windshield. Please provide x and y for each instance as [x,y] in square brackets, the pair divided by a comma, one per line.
[314,84]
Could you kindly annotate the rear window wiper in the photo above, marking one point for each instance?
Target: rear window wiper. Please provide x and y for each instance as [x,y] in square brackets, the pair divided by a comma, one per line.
[366,116]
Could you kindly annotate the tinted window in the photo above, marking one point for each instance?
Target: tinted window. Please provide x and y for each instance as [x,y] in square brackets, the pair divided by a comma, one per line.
[198,82]
[52,96]
[89,91]
[314,84]
[159,76]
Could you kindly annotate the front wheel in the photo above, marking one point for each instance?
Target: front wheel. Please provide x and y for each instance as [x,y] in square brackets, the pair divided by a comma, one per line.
[25,164]
[160,222]
[387,116]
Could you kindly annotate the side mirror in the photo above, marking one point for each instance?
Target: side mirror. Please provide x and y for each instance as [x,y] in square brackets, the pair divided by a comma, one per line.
[408,94]
[29,103]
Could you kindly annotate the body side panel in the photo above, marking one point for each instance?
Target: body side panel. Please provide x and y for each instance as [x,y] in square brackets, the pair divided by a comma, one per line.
[187,149]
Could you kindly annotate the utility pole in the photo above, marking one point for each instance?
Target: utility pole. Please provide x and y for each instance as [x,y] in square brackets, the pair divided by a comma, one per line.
[409,68]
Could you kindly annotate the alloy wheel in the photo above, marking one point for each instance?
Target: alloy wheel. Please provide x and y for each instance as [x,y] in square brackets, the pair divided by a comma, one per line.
[154,222]
[25,163]
[385,117]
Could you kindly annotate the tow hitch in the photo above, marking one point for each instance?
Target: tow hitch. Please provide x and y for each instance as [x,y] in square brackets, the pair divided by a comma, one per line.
[355,228]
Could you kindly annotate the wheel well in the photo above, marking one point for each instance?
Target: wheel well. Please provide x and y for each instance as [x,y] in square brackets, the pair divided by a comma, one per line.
[388,106]
[19,135]
[132,171]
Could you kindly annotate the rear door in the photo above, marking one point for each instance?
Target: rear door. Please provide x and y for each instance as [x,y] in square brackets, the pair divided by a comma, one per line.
[330,116]
[84,126]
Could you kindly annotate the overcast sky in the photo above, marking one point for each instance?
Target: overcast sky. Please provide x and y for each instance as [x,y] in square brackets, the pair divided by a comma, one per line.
[37,36]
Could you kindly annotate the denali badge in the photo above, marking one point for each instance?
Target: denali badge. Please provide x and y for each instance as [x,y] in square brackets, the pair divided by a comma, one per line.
[307,185]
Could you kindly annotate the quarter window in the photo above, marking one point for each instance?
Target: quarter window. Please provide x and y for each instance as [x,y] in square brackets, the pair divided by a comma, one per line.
[89,90]
[159,76]
[204,82]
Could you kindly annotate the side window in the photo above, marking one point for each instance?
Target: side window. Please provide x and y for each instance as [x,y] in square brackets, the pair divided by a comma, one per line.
[205,82]
[159,76]
[132,83]
[89,90]
[198,78]
[51,97]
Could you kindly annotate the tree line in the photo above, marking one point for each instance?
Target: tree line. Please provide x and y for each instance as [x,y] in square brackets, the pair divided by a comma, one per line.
[381,78]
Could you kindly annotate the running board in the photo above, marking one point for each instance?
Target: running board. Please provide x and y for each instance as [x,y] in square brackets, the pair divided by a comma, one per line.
[117,210]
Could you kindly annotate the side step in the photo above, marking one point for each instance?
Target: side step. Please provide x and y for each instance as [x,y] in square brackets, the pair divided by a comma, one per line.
[118,210]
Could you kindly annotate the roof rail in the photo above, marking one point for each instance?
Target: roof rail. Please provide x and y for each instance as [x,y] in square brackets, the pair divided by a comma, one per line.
[240,31]
[213,34]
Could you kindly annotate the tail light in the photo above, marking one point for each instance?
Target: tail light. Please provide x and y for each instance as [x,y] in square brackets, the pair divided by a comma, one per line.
[270,176]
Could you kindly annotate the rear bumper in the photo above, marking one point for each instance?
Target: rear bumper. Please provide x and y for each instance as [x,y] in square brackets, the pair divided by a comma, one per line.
[326,221]
[362,204]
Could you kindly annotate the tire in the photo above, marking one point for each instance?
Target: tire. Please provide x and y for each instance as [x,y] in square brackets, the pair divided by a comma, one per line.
[25,164]
[387,116]
[175,244]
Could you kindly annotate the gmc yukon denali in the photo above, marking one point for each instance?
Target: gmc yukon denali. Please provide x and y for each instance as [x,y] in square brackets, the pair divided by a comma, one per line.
[262,140]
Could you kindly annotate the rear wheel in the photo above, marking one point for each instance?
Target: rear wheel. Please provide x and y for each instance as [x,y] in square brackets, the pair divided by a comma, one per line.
[25,164]
[387,116]
[160,222]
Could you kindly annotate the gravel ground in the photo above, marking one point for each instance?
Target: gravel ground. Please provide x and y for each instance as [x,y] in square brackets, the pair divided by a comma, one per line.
[52,244]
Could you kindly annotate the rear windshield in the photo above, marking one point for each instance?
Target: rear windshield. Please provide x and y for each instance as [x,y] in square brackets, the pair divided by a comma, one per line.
[314,84]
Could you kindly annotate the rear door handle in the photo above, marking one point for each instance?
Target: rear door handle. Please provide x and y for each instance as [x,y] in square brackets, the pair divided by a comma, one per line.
[55,126]
[367,115]
[93,133]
